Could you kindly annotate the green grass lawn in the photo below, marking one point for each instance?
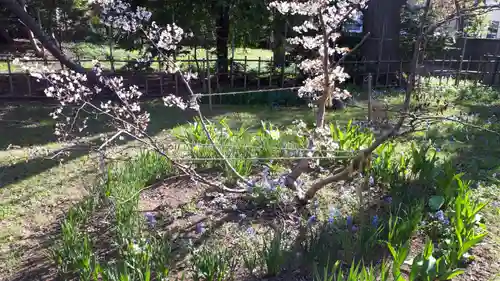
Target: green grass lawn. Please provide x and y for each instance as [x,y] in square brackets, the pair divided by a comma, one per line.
[89,51]
[36,191]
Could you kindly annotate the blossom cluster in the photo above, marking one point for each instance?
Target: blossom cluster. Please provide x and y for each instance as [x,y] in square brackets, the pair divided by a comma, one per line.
[318,32]
[119,14]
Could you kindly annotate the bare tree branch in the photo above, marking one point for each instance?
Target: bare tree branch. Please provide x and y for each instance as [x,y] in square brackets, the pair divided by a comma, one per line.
[46,41]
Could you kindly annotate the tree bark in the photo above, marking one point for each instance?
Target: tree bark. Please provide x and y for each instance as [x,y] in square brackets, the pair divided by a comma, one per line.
[5,37]
[47,42]
[278,46]
[222,34]
[382,19]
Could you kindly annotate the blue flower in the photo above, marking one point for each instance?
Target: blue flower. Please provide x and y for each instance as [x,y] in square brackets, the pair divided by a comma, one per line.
[375,221]
[354,228]
[441,217]
[349,221]
[151,219]
[311,220]
[200,228]
[388,199]
[331,219]
[250,231]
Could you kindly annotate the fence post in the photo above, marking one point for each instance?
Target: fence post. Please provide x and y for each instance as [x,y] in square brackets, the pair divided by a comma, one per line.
[442,69]
[11,84]
[495,70]
[231,73]
[271,70]
[258,74]
[370,97]
[457,79]
[203,83]
[160,66]
[388,72]
[467,73]
[29,84]
[245,74]
[209,84]
[111,49]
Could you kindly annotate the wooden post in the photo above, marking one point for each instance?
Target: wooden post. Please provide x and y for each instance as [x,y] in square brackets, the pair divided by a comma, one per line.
[160,64]
[231,73]
[111,49]
[442,69]
[468,68]
[11,83]
[295,74]
[245,74]
[209,85]
[29,84]
[271,70]
[457,79]
[370,110]
[258,74]
[388,73]
[203,83]
[401,72]
[176,84]
[482,69]
[450,65]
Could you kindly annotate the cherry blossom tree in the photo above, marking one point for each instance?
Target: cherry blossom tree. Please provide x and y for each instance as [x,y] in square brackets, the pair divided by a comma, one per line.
[76,92]
[325,18]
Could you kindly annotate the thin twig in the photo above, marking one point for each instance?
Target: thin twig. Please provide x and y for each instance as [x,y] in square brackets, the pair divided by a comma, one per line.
[457,121]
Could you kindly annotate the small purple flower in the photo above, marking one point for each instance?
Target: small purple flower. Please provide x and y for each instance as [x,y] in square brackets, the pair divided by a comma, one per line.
[375,221]
[200,228]
[349,221]
[495,204]
[388,199]
[151,219]
[311,220]
[250,231]
[354,228]
[331,219]
[441,217]
[371,181]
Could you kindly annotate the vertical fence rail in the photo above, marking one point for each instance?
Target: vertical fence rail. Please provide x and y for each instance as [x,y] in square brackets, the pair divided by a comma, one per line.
[370,110]
[11,84]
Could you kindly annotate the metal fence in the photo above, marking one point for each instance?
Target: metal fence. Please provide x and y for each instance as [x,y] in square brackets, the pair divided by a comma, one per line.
[252,75]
